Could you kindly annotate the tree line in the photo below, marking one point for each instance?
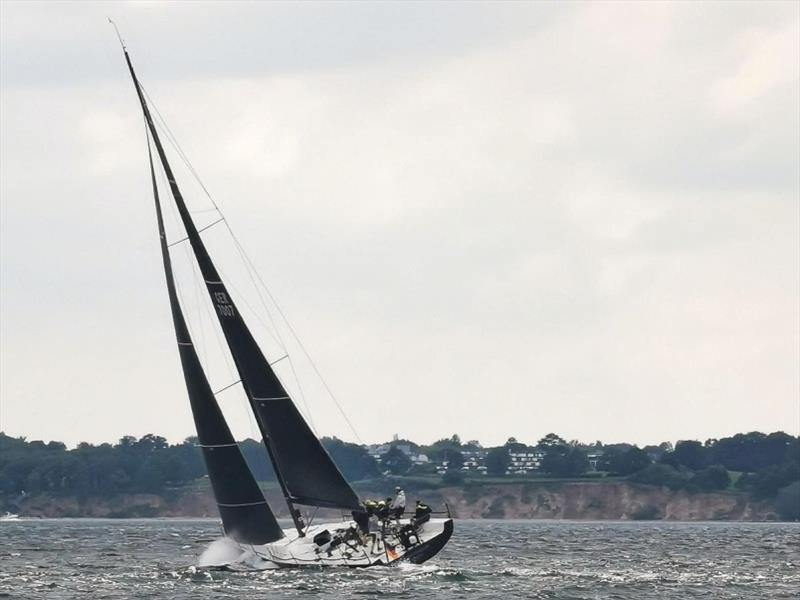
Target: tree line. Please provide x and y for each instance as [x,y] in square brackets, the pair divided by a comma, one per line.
[145,465]
[764,465]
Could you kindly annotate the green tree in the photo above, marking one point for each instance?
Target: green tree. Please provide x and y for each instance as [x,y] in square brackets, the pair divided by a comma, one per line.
[662,475]
[560,458]
[754,451]
[767,482]
[255,454]
[624,462]
[551,440]
[515,446]
[712,478]
[353,460]
[396,461]
[788,502]
[439,449]
[687,453]
[564,461]
[453,478]
[497,461]
[455,460]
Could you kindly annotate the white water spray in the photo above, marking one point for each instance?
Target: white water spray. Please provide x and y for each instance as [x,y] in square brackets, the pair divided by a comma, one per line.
[223,551]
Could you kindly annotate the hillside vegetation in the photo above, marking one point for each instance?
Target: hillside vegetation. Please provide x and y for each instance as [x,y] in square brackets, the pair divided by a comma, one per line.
[753,475]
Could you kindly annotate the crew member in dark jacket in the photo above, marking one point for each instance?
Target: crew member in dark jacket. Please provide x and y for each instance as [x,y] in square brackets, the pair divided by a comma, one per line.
[422,513]
[361,517]
[382,511]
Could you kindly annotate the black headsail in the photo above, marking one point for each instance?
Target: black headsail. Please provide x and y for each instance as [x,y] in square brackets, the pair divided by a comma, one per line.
[305,470]
[246,516]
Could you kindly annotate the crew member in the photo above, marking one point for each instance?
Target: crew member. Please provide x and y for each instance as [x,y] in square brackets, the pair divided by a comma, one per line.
[370,506]
[399,503]
[422,513]
[382,510]
[361,517]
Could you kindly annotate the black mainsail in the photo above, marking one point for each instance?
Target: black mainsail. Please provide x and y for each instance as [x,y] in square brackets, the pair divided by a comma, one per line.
[305,471]
[246,516]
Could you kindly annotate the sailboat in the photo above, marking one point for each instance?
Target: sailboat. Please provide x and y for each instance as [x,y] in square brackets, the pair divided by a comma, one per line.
[306,474]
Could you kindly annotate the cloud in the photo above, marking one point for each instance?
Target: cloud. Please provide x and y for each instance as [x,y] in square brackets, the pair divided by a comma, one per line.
[492,221]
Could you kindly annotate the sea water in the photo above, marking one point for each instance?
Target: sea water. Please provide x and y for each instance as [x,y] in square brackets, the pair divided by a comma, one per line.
[158,558]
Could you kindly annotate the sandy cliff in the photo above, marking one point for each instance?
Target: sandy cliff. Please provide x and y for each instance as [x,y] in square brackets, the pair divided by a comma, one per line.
[602,500]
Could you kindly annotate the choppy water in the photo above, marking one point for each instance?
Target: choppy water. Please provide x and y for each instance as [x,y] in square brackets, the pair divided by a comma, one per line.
[485,559]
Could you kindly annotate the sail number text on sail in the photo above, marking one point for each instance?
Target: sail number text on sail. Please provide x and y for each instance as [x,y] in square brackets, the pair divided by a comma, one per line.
[224,306]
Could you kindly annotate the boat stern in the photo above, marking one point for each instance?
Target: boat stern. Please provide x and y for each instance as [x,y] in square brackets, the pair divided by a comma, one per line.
[433,536]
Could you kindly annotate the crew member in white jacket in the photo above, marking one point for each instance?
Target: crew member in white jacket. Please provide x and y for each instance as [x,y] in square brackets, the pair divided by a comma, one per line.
[399,503]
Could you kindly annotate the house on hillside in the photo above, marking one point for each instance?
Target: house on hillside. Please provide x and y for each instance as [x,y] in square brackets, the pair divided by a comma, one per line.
[524,462]
[378,451]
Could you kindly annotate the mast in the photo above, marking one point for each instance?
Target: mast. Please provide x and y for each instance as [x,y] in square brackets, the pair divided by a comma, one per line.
[305,472]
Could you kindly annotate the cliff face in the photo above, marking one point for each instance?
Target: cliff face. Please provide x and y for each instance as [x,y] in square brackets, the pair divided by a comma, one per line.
[602,500]
[539,500]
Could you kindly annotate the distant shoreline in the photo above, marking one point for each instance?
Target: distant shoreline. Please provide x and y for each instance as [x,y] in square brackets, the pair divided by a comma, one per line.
[288,522]
[601,501]
[747,477]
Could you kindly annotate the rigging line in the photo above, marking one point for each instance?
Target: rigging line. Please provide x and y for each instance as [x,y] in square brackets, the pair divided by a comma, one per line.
[198,292]
[177,283]
[281,344]
[198,328]
[294,335]
[310,519]
[201,293]
[202,229]
[207,310]
[176,145]
[173,140]
[254,429]
[264,305]
[250,268]
[196,325]
[185,159]
[230,385]
[175,243]
[243,298]
[279,339]
[222,348]
[198,302]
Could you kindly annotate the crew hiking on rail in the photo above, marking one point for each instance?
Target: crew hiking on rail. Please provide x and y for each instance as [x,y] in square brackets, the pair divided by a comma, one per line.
[390,508]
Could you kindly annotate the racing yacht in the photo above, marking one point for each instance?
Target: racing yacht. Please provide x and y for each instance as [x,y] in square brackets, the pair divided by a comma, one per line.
[306,474]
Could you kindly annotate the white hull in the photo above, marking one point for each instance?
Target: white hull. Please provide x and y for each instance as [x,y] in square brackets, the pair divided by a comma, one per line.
[346,548]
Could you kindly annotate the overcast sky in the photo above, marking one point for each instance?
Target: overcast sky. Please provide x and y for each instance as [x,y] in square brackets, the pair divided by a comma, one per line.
[491,219]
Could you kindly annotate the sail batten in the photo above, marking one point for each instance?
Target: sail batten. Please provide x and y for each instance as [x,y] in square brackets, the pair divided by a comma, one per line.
[305,471]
